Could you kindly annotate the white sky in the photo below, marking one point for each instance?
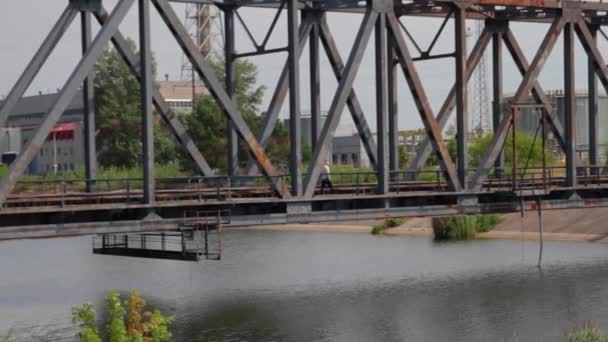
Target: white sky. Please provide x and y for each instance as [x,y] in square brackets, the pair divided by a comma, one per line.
[25,23]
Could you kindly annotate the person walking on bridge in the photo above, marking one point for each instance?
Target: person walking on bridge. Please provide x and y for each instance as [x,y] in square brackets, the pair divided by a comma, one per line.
[326,178]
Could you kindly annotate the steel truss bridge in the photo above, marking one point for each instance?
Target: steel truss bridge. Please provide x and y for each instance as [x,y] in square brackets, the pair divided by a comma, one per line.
[265,196]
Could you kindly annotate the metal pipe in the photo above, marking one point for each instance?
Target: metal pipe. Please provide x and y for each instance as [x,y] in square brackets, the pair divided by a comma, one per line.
[462,115]
[497,92]
[393,113]
[315,85]
[381,105]
[229,66]
[90,154]
[146,101]
[570,104]
[295,128]
[593,109]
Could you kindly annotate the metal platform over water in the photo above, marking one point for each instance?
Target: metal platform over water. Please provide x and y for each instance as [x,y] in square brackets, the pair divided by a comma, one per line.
[190,242]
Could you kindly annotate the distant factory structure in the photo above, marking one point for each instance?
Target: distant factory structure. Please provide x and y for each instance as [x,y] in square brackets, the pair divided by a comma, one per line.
[528,121]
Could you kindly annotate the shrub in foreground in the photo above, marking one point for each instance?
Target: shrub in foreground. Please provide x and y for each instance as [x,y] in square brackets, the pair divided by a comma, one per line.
[126,321]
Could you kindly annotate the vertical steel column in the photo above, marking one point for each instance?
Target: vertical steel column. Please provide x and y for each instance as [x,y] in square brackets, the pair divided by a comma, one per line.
[593,109]
[146,101]
[393,114]
[315,84]
[295,129]
[90,157]
[229,51]
[570,104]
[462,115]
[497,90]
[381,104]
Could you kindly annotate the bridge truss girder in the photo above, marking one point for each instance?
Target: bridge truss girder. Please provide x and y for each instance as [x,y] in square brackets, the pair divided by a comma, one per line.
[381,17]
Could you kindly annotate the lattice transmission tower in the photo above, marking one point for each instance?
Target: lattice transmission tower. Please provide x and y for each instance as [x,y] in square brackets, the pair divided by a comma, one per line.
[204,24]
[478,90]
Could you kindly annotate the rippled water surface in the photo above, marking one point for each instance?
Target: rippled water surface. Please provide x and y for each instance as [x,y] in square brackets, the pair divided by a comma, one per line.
[294,286]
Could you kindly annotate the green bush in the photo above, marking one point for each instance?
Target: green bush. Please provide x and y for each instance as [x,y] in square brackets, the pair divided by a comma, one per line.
[3,169]
[587,333]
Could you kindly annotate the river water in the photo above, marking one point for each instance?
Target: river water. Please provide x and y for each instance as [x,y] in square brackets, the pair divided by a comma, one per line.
[302,286]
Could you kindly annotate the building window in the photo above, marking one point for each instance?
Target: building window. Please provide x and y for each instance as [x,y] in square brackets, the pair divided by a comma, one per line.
[334,159]
[344,158]
[58,150]
[355,159]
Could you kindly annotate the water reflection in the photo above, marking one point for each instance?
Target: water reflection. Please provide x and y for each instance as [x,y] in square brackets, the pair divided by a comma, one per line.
[325,287]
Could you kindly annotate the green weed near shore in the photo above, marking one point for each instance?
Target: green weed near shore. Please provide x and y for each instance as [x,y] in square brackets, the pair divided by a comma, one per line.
[389,223]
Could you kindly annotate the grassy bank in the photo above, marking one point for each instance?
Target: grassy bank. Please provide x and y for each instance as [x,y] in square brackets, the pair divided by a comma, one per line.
[463,227]
[389,223]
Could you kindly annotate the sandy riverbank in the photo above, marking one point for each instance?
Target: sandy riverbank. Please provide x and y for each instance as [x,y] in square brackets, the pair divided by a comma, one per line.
[590,225]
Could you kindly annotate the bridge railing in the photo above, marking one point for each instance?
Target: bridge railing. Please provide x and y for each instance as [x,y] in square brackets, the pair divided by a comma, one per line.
[224,188]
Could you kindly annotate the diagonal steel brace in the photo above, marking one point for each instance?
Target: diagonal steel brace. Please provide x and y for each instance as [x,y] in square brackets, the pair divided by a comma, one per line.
[219,93]
[161,106]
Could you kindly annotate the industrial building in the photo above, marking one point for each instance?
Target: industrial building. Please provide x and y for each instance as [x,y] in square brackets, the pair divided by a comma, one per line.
[179,94]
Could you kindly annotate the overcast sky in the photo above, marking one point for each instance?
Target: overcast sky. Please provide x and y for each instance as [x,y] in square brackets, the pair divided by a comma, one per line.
[25,23]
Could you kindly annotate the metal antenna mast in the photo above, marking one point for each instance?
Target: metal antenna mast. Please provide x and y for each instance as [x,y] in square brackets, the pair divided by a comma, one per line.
[480,105]
[204,24]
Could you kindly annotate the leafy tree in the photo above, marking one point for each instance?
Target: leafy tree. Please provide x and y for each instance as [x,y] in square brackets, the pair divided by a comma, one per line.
[118,115]
[207,123]
[527,150]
